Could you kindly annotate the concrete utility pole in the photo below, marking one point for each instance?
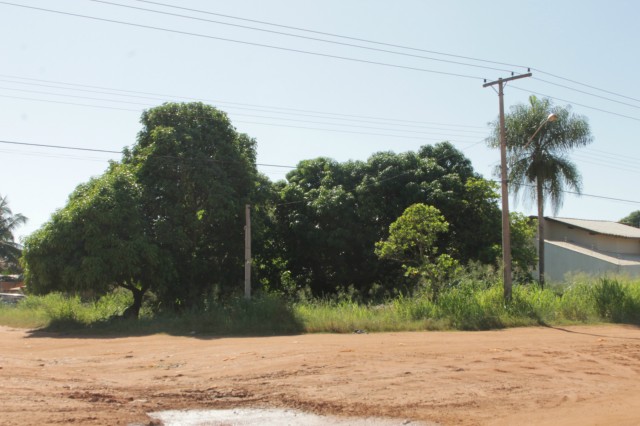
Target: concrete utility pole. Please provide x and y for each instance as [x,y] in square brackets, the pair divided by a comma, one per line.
[506,229]
[247,252]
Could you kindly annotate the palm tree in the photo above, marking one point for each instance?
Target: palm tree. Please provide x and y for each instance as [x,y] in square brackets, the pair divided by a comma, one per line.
[537,156]
[9,250]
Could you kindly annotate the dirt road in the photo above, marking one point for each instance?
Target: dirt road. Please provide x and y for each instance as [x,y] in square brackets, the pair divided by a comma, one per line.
[571,376]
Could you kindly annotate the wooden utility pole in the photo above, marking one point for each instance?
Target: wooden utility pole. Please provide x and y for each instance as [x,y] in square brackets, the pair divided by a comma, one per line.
[247,252]
[506,228]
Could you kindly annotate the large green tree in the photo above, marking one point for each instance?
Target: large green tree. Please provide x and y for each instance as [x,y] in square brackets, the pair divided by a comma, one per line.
[9,222]
[538,156]
[169,217]
[197,173]
[330,215]
[98,241]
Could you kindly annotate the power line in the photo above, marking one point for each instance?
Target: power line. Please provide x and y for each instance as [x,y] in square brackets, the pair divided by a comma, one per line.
[75,148]
[382,50]
[237,103]
[248,43]
[610,158]
[585,85]
[245,122]
[352,125]
[575,103]
[342,131]
[336,56]
[587,93]
[51,155]
[75,96]
[380,43]
[333,34]
[107,151]
[226,107]
[602,197]
[69,103]
[217,161]
[610,154]
[621,167]
[301,36]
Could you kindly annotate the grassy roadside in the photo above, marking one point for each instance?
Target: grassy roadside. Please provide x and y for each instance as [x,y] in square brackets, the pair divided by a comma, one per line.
[469,306]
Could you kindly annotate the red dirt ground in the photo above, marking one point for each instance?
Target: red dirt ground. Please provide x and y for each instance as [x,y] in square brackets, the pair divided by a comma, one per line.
[581,375]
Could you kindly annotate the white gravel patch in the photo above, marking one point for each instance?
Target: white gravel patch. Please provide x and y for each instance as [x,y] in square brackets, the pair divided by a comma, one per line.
[246,417]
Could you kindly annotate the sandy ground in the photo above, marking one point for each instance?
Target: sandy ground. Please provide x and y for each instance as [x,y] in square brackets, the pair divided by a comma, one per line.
[570,376]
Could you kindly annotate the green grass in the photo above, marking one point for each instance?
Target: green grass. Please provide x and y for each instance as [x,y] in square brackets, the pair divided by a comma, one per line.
[473,304]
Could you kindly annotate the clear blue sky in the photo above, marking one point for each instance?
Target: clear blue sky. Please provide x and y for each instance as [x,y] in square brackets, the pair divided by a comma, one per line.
[590,42]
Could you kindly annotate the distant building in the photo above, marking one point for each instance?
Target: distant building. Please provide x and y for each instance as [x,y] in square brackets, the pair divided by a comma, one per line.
[10,283]
[592,247]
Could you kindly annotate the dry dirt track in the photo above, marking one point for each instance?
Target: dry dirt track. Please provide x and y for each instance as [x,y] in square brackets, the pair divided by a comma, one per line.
[571,376]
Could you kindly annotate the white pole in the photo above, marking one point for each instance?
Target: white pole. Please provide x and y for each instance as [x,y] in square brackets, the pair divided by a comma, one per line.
[247,253]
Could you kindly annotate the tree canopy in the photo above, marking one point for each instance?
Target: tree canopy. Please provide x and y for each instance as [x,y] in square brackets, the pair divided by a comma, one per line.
[98,241]
[169,217]
[197,173]
[330,215]
[632,219]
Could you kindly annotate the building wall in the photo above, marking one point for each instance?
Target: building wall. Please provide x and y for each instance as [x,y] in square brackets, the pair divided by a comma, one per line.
[555,231]
[560,261]
[5,286]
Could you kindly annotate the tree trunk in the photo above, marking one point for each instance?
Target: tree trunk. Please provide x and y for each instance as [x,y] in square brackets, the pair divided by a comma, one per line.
[133,311]
[540,199]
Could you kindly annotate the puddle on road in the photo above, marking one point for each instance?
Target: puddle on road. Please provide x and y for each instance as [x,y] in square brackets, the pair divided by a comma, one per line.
[249,417]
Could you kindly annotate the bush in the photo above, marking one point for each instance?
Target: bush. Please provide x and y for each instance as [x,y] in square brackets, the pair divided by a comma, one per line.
[616,301]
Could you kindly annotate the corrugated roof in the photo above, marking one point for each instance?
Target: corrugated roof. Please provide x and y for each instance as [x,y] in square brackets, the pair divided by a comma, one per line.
[623,260]
[601,227]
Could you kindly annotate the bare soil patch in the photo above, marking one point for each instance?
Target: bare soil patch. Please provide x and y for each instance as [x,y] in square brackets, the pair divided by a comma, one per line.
[572,376]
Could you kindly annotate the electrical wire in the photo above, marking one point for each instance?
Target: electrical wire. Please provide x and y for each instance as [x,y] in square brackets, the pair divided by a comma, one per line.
[50,155]
[238,103]
[294,167]
[247,43]
[584,84]
[345,131]
[73,148]
[575,103]
[301,36]
[399,46]
[108,151]
[387,51]
[40,92]
[602,197]
[215,161]
[351,125]
[333,34]
[69,103]
[611,154]
[630,168]
[265,109]
[341,57]
[586,93]
[245,122]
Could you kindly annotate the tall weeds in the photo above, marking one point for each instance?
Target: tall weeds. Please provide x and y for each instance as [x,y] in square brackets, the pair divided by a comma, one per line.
[474,303]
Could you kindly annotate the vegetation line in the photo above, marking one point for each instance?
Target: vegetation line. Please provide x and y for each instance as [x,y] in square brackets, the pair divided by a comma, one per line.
[474,304]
